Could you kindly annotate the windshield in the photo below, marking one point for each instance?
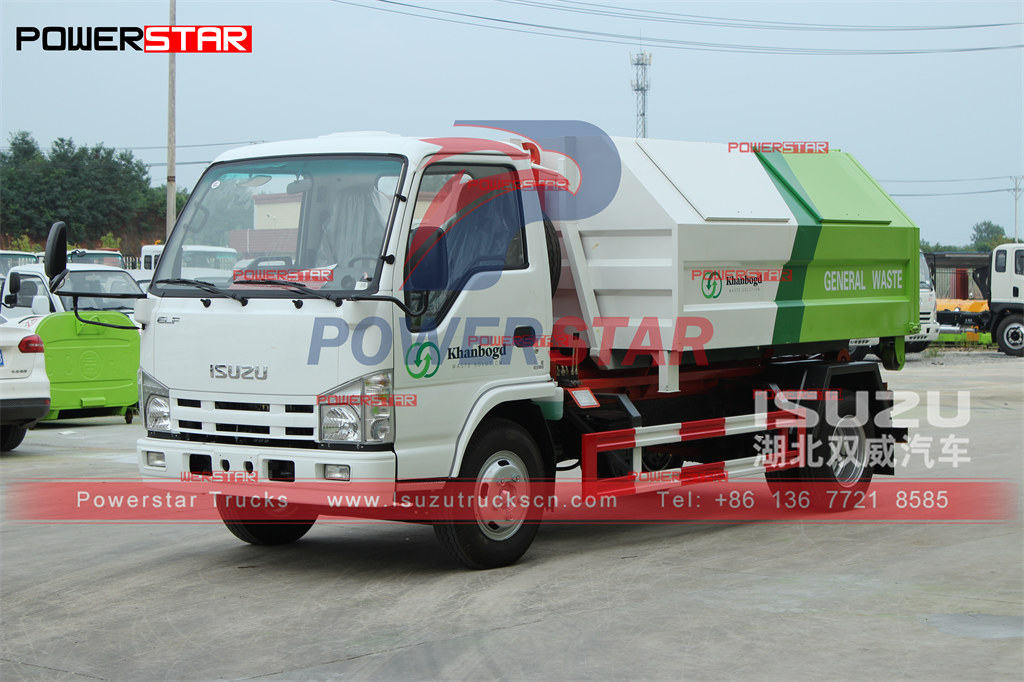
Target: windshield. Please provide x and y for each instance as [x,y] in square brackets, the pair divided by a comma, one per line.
[317,220]
[106,281]
[111,258]
[9,260]
[925,274]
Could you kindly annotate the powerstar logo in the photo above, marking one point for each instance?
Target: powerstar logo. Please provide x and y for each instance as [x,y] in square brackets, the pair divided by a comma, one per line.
[711,284]
[423,360]
[160,39]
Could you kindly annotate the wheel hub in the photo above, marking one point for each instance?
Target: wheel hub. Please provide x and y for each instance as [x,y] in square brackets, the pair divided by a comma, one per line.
[1014,336]
[500,488]
[849,459]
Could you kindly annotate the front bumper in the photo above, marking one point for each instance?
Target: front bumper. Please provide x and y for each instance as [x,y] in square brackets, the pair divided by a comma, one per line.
[929,333]
[229,469]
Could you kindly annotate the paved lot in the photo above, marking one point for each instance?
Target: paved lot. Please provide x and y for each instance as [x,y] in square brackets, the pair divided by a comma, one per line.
[708,601]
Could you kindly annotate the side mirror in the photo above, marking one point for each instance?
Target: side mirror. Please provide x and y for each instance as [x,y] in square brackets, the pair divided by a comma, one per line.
[426,263]
[56,261]
[14,282]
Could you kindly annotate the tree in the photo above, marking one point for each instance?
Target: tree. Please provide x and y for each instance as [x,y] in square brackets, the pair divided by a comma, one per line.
[98,191]
[109,241]
[928,247]
[23,243]
[986,236]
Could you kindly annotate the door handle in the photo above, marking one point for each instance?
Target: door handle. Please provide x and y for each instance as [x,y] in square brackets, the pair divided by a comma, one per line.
[524,337]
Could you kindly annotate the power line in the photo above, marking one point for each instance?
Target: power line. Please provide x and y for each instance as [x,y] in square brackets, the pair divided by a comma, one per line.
[180,146]
[190,146]
[953,194]
[178,163]
[530,28]
[725,22]
[994,177]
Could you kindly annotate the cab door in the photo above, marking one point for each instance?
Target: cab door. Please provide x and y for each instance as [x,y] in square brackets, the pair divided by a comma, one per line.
[1007,273]
[489,297]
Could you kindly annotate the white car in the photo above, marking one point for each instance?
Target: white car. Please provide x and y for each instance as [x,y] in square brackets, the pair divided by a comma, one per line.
[24,386]
[33,300]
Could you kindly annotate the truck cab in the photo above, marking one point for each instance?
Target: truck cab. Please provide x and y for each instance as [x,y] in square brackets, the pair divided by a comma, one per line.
[1005,304]
[316,226]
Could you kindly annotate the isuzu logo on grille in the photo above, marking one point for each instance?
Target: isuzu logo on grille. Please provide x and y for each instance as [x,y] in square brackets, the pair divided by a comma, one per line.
[238,372]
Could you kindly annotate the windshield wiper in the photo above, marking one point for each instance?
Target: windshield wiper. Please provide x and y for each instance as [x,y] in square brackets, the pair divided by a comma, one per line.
[296,286]
[208,287]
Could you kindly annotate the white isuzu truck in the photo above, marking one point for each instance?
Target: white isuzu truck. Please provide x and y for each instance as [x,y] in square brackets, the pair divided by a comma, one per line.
[415,312]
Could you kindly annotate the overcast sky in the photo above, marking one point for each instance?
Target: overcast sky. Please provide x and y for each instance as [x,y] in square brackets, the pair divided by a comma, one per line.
[322,66]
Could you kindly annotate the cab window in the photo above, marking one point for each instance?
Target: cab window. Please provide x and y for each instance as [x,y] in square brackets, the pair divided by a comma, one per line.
[479,210]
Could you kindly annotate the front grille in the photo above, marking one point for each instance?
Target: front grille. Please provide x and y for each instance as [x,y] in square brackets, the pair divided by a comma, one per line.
[263,416]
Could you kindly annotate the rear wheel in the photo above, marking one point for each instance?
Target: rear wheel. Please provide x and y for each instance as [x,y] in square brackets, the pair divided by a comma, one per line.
[839,464]
[1010,335]
[253,520]
[11,436]
[502,462]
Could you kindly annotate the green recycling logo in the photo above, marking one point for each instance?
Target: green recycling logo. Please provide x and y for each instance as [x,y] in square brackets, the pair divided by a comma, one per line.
[711,285]
[425,357]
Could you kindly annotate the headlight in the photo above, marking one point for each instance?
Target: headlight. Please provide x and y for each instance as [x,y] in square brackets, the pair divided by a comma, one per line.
[155,403]
[360,411]
[158,413]
[340,422]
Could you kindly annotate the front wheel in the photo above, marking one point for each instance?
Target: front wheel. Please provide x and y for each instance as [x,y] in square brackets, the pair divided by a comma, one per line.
[1010,335]
[502,463]
[259,521]
[917,346]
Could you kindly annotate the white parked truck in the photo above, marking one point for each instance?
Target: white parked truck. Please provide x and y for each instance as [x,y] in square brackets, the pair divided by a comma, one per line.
[1001,281]
[412,312]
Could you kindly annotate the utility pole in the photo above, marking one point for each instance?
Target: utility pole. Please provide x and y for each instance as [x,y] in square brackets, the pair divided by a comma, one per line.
[641,85]
[1018,189]
[172,190]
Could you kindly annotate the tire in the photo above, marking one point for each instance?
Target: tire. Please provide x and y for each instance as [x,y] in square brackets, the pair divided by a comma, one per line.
[917,346]
[502,452]
[824,474]
[11,437]
[858,352]
[275,526]
[1010,335]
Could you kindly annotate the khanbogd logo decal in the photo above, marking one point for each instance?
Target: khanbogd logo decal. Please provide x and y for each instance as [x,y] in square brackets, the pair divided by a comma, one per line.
[423,360]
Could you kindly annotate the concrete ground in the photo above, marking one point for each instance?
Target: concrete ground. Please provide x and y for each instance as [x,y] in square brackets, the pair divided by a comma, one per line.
[710,601]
